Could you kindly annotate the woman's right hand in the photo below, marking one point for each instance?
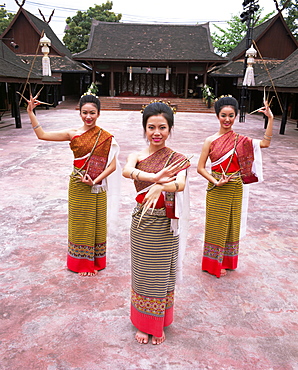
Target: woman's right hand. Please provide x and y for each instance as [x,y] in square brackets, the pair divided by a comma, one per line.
[32,104]
[169,173]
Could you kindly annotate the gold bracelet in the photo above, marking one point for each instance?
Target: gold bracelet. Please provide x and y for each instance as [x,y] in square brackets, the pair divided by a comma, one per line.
[177,185]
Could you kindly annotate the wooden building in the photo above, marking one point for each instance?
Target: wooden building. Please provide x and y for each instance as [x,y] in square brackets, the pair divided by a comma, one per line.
[22,37]
[274,43]
[285,80]
[149,59]
[14,72]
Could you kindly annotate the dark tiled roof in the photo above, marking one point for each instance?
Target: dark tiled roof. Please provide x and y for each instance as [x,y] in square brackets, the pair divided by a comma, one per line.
[149,42]
[284,75]
[12,67]
[236,68]
[58,64]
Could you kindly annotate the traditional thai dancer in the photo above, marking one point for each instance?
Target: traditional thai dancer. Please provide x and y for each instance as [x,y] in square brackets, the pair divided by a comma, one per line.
[95,160]
[235,160]
[159,175]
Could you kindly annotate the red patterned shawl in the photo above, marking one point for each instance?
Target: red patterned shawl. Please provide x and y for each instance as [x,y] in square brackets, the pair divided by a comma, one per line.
[244,150]
[154,163]
[82,145]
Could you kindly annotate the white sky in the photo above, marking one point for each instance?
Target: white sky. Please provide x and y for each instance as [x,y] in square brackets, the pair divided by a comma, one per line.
[151,11]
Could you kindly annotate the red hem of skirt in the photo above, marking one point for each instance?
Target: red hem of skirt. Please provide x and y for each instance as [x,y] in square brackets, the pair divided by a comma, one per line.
[214,267]
[151,324]
[83,265]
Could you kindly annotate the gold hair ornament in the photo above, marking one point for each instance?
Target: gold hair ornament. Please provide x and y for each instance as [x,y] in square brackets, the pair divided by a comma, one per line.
[223,96]
[168,103]
[89,93]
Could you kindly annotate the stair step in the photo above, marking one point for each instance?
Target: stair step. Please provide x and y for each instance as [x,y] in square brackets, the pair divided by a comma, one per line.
[135,103]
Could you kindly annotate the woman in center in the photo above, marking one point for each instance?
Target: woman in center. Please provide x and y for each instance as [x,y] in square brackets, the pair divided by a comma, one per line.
[159,175]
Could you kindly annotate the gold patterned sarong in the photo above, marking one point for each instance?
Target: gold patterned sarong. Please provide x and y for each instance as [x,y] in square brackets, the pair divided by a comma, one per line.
[154,253]
[87,225]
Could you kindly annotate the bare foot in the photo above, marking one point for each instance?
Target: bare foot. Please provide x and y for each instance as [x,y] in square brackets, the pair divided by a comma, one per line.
[141,337]
[223,272]
[158,340]
[88,273]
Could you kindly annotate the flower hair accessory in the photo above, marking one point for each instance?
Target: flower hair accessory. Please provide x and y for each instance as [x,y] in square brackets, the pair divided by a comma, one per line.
[92,90]
[168,103]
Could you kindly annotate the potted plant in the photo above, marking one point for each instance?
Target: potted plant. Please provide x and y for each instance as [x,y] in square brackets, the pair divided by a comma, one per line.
[208,94]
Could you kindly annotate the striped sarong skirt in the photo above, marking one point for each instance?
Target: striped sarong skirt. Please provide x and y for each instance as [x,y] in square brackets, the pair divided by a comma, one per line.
[154,253]
[223,215]
[87,228]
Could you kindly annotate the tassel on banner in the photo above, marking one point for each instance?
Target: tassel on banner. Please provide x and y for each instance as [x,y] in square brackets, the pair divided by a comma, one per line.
[249,78]
[46,66]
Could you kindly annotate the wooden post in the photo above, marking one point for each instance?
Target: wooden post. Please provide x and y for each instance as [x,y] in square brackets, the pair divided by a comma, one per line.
[186,83]
[284,115]
[112,84]
[15,106]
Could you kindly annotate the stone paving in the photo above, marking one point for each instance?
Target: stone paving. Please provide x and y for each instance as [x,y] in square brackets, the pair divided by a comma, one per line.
[53,319]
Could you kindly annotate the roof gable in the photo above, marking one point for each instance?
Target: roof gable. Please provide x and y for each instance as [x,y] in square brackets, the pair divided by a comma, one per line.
[150,42]
[274,40]
[25,29]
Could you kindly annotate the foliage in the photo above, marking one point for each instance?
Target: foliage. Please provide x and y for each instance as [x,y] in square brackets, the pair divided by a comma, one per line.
[77,30]
[291,15]
[5,19]
[207,92]
[92,89]
[230,37]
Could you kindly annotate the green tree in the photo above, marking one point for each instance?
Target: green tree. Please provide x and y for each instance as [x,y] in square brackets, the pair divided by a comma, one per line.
[291,15]
[225,41]
[77,30]
[5,19]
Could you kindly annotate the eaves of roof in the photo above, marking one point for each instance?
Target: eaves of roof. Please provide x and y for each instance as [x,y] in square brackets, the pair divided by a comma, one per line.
[14,67]
[58,63]
[236,68]
[283,75]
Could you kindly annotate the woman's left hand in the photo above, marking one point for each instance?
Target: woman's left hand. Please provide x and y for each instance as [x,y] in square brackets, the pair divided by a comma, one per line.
[86,179]
[152,196]
[266,110]
[225,179]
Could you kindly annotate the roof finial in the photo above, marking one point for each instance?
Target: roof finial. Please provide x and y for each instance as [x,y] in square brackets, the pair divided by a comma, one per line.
[21,4]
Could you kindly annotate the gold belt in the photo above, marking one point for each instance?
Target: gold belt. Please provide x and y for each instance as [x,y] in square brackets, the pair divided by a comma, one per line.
[217,175]
[161,212]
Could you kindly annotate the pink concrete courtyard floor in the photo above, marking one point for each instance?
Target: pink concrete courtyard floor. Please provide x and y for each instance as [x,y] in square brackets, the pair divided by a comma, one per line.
[53,319]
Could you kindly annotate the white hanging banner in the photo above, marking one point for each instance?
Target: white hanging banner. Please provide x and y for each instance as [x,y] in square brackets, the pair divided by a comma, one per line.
[46,66]
[249,78]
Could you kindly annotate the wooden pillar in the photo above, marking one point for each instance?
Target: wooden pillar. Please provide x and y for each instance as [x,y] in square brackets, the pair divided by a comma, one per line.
[93,73]
[15,107]
[112,89]
[186,83]
[47,96]
[284,115]
[205,78]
